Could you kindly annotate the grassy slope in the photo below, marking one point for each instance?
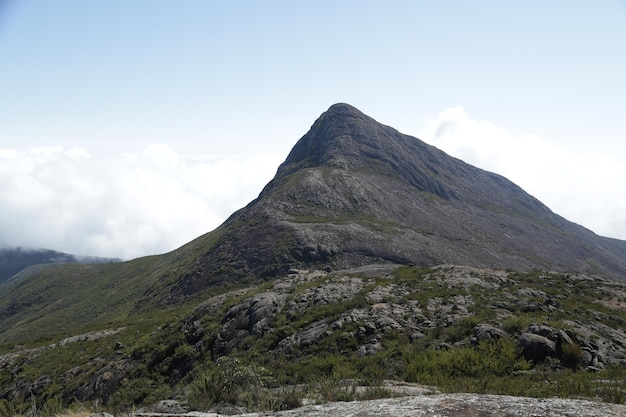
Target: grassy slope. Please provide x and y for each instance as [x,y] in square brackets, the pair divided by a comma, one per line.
[63,299]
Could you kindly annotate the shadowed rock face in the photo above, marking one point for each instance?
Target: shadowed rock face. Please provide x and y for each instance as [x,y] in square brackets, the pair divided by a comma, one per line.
[354,192]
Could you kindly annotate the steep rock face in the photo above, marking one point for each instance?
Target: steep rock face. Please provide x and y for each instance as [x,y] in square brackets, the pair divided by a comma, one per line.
[353,192]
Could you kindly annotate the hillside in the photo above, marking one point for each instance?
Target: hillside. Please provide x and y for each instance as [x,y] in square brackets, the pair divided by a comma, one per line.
[342,336]
[370,256]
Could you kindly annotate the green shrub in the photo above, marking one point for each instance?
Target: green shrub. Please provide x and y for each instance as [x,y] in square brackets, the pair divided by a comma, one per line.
[7,408]
[376,392]
[572,355]
[515,324]
[230,381]
[285,399]
[207,390]
[136,392]
[461,329]
[439,367]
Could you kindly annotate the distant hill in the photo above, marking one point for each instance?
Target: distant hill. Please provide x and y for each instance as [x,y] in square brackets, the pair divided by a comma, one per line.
[14,260]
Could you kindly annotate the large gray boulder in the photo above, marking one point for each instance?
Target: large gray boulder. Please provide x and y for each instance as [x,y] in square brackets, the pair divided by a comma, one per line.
[536,347]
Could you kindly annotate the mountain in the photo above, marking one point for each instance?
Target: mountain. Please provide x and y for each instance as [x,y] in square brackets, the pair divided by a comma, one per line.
[371,255]
[353,191]
[15,259]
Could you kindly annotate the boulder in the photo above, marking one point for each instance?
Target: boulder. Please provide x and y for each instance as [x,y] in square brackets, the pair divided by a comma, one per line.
[564,338]
[586,356]
[488,332]
[542,330]
[535,347]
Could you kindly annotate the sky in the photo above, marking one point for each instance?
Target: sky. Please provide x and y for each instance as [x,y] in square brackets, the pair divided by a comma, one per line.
[128,128]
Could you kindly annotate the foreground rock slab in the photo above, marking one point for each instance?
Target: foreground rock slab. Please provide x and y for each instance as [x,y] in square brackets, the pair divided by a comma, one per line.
[451,405]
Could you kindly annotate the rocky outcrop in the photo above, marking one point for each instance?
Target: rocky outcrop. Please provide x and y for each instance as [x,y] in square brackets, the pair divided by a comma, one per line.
[365,312]
[252,316]
[105,382]
[445,405]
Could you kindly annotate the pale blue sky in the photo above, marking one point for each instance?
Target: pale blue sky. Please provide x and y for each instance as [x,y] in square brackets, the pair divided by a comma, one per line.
[238,82]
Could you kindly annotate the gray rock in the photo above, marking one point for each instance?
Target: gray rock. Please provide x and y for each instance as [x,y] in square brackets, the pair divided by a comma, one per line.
[542,330]
[263,307]
[251,316]
[369,349]
[387,323]
[587,357]
[488,332]
[564,338]
[454,405]
[311,334]
[536,347]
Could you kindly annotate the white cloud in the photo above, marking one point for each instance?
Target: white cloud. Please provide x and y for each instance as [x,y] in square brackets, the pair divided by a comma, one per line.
[125,205]
[584,187]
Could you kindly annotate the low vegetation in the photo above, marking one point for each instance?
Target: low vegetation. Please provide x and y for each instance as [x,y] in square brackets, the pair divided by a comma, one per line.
[334,337]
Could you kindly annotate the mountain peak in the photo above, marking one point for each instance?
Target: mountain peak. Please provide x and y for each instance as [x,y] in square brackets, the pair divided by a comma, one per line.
[345,138]
[354,191]
[336,139]
[343,108]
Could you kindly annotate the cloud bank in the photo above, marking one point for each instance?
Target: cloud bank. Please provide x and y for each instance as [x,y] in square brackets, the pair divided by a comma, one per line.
[584,187]
[126,205]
